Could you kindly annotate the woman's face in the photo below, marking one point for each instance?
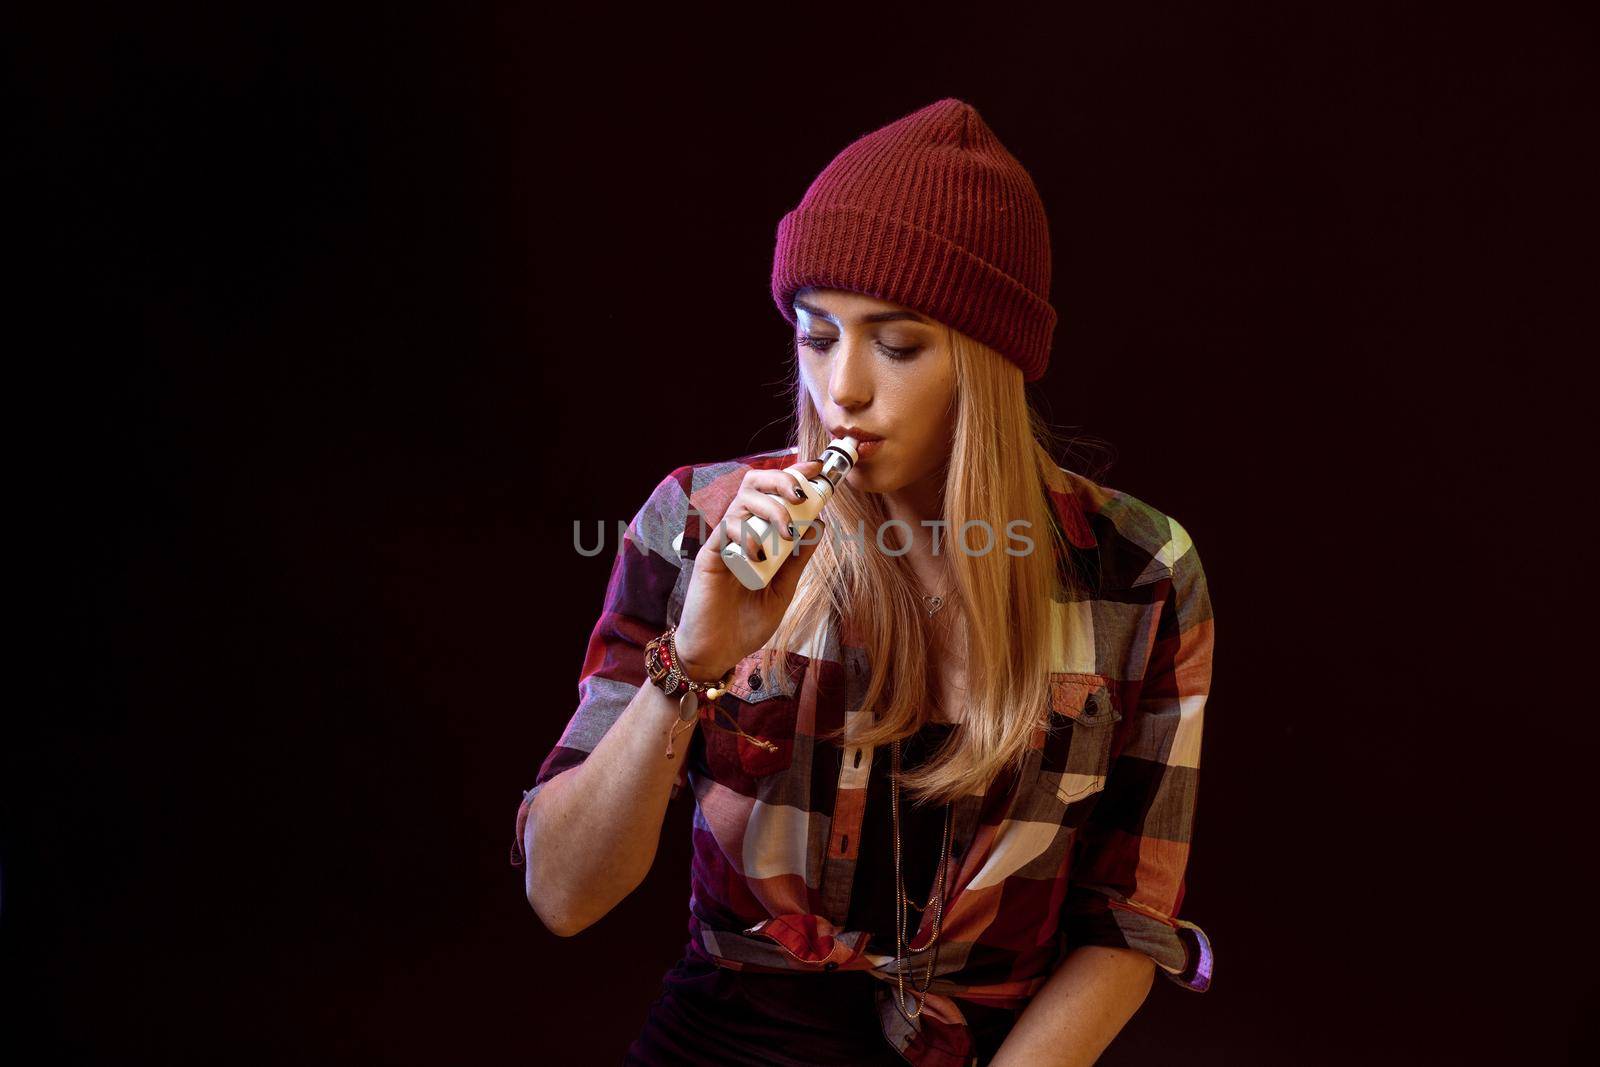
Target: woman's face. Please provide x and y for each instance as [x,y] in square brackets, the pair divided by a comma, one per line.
[884,369]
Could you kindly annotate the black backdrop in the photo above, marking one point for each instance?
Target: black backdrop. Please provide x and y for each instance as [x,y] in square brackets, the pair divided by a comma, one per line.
[331,324]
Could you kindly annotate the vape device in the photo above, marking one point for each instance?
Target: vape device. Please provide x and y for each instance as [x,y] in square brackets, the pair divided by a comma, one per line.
[837,459]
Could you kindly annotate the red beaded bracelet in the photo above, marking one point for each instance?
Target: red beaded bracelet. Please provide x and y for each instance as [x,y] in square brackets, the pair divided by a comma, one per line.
[664,667]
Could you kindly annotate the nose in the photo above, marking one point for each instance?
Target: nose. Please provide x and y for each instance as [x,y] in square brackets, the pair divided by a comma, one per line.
[850,375]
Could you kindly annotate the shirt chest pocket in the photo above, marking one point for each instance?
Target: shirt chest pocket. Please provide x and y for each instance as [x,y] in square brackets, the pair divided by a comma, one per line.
[750,730]
[1084,712]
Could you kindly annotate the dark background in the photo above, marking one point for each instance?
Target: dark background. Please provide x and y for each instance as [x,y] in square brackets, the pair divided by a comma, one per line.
[331,324]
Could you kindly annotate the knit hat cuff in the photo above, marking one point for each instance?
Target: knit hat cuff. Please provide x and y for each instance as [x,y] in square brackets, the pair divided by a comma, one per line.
[843,247]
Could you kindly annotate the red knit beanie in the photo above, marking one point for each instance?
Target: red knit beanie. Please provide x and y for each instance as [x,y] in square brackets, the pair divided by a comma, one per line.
[933,213]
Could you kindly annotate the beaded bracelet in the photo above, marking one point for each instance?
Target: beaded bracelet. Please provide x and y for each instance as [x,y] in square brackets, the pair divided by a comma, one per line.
[664,667]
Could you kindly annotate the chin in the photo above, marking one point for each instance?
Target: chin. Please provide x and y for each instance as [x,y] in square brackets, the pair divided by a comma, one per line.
[870,479]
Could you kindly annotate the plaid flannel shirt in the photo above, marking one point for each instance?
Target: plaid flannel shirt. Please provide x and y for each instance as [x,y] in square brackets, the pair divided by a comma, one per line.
[1086,844]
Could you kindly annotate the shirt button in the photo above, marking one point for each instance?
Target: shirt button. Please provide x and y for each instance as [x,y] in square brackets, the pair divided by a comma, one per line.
[830,965]
[755,680]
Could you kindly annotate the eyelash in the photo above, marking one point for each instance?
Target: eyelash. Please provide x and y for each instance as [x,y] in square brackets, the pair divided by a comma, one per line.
[805,340]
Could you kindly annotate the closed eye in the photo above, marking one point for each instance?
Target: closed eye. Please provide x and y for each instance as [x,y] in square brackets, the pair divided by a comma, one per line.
[822,344]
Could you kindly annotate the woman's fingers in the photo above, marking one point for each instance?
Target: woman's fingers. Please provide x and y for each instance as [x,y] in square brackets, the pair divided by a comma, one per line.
[716,540]
[756,498]
[780,482]
[809,469]
[747,533]
[734,529]
[777,517]
[752,499]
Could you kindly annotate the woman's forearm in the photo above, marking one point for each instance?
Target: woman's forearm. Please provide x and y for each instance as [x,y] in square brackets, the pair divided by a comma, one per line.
[592,832]
[1077,1013]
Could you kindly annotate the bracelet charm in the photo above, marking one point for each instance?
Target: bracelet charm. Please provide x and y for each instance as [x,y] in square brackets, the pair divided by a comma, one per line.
[664,668]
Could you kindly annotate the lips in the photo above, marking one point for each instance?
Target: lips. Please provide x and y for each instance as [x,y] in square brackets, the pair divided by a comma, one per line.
[861,436]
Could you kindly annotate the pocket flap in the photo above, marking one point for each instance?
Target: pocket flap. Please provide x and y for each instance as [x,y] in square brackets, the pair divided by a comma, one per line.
[761,675]
[1086,699]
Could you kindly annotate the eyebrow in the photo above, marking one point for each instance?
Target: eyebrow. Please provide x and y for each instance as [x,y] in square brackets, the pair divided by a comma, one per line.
[877,316]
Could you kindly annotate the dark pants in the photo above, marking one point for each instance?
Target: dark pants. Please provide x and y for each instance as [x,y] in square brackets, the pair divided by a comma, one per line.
[715,1015]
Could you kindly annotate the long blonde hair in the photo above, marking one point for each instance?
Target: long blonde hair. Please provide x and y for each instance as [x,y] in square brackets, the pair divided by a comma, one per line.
[1000,451]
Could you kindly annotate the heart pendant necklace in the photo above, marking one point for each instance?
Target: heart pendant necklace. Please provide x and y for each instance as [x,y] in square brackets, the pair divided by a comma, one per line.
[934,603]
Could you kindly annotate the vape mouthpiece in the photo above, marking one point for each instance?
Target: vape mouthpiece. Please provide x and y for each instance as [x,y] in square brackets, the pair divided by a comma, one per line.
[837,459]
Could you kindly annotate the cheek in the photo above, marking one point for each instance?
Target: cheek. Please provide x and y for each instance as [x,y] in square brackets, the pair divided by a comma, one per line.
[932,442]
[812,383]
[922,406]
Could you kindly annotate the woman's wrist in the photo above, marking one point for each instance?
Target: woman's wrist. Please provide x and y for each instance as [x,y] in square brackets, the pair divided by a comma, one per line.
[696,665]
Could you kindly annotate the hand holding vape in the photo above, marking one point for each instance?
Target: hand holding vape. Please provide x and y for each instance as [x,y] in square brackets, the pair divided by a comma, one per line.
[837,459]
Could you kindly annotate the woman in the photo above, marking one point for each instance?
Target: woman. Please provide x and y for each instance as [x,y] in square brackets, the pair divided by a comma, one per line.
[1030,651]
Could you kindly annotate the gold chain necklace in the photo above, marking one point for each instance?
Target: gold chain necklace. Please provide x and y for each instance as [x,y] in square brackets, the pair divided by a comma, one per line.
[936,900]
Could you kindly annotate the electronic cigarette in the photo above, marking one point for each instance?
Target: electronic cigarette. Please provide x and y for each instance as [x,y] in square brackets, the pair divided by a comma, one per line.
[837,459]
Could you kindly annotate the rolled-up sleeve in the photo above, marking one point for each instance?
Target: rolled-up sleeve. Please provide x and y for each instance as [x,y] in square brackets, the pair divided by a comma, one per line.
[1127,875]
[637,604]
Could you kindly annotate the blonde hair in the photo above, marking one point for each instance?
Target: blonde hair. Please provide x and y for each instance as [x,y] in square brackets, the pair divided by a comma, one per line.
[1000,452]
